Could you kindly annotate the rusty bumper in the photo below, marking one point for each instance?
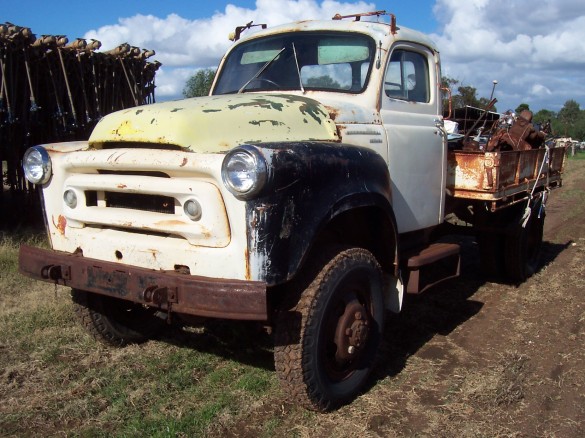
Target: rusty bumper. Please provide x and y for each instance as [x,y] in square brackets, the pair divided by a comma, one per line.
[167,290]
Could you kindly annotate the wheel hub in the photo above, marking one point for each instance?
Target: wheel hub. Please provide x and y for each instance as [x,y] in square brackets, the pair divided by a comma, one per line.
[352,331]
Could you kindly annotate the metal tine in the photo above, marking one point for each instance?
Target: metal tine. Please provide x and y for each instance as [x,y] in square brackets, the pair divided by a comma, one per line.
[48,82]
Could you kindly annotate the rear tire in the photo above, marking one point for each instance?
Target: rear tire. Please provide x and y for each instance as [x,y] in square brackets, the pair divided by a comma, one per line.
[491,244]
[113,321]
[327,343]
[523,244]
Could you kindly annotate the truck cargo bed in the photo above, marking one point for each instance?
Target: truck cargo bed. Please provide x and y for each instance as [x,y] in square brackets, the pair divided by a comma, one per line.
[503,176]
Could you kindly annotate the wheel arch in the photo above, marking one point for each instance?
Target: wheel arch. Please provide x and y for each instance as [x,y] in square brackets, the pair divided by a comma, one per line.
[318,192]
[362,221]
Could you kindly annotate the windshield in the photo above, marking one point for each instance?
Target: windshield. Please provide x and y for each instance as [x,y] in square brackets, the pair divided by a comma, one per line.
[300,60]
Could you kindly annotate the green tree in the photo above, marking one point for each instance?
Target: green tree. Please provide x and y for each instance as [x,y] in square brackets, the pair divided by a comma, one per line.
[568,116]
[200,83]
[544,116]
[522,107]
[324,81]
[468,96]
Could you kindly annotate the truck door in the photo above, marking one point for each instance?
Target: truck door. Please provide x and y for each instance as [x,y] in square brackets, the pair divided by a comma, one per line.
[417,149]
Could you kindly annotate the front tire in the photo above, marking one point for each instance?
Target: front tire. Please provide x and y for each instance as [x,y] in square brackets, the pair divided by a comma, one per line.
[326,345]
[115,322]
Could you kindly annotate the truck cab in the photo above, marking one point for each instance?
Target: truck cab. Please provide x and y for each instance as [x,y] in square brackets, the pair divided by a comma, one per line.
[304,193]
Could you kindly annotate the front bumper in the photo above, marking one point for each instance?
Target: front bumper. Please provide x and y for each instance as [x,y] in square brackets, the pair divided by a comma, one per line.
[167,290]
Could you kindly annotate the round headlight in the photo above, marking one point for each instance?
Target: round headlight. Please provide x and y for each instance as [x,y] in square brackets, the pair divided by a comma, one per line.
[244,171]
[37,165]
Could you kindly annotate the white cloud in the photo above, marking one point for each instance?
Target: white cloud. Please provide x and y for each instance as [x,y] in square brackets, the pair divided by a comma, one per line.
[534,49]
[188,45]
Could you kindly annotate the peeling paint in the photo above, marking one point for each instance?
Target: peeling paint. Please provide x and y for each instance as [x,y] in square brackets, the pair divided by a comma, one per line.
[261,102]
[200,124]
[273,122]
[125,129]
[61,224]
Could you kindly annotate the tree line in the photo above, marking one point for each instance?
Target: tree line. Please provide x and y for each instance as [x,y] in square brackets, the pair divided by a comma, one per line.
[568,122]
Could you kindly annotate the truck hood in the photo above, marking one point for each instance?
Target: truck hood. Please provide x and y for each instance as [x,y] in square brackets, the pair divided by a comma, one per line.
[215,124]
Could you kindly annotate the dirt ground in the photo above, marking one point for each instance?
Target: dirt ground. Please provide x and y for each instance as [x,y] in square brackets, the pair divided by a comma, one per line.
[469,358]
[476,358]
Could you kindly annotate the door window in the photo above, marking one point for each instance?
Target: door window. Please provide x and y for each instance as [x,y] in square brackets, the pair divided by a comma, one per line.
[407,76]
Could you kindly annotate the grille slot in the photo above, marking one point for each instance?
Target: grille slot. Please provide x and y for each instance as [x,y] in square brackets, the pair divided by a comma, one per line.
[133,201]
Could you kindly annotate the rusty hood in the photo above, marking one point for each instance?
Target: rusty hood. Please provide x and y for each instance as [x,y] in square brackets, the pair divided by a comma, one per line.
[214,124]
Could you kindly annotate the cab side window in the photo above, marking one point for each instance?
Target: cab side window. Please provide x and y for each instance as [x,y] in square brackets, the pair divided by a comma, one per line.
[407,76]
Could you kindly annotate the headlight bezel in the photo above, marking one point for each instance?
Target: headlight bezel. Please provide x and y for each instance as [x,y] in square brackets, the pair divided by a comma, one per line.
[36,160]
[252,168]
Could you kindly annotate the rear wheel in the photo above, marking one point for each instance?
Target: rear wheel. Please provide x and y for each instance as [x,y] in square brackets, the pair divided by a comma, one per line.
[523,244]
[326,344]
[491,242]
[113,321]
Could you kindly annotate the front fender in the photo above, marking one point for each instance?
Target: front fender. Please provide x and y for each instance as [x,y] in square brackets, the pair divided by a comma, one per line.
[309,184]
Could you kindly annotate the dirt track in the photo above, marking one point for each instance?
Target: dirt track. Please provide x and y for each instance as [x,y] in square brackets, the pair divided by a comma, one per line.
[475,358]
[470,358]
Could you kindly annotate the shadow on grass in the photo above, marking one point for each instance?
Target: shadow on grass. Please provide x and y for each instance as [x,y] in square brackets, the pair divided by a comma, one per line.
[440,310]
[437,311]
[241,341]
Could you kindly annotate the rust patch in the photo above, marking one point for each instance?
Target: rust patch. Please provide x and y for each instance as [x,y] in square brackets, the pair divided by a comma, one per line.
[333,112]
[121,186]
[61,224]
[247,261]
[171,223]
[184,162]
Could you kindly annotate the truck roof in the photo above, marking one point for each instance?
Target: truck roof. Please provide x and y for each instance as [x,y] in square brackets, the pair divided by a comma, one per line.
[378,30]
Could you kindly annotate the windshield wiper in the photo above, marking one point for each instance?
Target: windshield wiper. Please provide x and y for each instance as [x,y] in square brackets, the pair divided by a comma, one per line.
[298,68]
[264,67]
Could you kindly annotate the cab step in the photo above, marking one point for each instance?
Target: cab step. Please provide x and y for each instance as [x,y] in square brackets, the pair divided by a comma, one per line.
[431,265]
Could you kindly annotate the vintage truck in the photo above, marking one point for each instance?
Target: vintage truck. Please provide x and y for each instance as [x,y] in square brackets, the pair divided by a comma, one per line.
[308,191]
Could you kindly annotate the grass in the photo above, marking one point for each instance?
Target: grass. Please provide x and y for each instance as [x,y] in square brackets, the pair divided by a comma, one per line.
[56,379]
[469,358]
[579,155]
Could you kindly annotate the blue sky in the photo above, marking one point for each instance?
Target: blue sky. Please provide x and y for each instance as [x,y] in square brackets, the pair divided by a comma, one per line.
[535,50]
[66,17]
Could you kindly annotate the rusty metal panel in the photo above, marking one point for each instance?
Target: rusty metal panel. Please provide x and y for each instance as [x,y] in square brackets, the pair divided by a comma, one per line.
[493,176]
[170,291]
[216,124]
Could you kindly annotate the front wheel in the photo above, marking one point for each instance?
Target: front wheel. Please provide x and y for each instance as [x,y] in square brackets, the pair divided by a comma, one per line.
[113,321]
[326,345]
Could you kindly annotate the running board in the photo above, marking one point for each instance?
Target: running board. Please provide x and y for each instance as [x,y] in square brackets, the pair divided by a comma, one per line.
[433,264]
